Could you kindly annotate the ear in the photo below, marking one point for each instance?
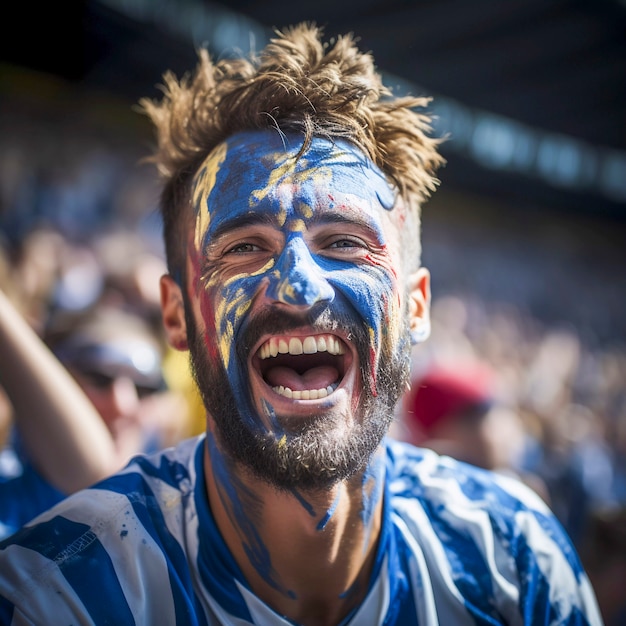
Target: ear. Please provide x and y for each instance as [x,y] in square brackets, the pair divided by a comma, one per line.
[173,313]
[419,305]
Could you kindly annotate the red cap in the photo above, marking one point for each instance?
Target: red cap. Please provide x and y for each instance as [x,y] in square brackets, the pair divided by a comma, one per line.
[443,392]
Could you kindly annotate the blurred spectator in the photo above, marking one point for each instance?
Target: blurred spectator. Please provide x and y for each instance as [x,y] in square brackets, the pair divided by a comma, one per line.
[572,451]
[113,266]
[575,462]
[65,445]
[36,264]
[455,410]
[94,301]
[131,269]
[116,357]
[59,436]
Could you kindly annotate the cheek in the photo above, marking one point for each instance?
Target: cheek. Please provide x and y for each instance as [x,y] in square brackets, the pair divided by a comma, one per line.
[386,308]
[205,321]
[233,303]
[203,303]
[373,291]
[223,306]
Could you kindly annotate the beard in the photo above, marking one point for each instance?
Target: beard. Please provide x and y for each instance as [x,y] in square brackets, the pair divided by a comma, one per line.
[319,452]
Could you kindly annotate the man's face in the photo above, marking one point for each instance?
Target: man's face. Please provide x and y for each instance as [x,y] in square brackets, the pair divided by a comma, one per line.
[295,306]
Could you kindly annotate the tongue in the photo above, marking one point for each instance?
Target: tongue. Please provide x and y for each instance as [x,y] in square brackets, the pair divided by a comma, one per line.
[314,378]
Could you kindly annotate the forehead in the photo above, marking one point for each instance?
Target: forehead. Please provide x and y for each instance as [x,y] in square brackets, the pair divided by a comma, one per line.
[261,171]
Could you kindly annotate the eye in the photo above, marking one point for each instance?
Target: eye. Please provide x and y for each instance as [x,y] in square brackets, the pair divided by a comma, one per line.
[243,248]
[347,243]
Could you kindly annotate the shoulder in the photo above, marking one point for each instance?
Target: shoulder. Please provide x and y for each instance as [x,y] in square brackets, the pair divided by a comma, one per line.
[421,473]
[485,536]
[152,481]
[445,495]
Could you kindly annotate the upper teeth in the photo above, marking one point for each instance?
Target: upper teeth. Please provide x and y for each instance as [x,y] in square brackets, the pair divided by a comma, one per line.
[301,345]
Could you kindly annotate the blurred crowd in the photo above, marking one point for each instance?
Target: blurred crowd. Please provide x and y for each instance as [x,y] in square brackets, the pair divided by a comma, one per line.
[493,385]
[93,304]
[497,388]
[551,407]
[562,405]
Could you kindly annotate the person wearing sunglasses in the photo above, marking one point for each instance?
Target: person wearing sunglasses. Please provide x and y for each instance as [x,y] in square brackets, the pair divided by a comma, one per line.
[101,399]
[56,442]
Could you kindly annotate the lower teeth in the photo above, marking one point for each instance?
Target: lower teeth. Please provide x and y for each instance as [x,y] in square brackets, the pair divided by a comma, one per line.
[305,394]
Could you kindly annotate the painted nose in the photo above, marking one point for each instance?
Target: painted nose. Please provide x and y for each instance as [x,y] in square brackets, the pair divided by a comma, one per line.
[297,279]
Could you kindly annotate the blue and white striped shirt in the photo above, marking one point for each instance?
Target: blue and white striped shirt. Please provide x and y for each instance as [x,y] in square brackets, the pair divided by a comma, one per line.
[459,546]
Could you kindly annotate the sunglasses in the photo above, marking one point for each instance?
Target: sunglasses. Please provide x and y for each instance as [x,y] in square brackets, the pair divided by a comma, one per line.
[104,381]
[100,365]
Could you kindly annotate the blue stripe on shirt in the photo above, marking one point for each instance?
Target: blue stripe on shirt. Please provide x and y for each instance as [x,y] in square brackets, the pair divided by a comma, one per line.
[146,508]
[62,541]
[6,611]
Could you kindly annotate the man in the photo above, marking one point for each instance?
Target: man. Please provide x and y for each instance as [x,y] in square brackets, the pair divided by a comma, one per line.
[116,356]
[291,212]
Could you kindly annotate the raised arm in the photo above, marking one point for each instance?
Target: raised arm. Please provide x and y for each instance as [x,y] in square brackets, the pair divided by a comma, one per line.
[62,432]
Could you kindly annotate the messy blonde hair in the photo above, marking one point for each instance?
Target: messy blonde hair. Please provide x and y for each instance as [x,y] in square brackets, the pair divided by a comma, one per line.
[297,83]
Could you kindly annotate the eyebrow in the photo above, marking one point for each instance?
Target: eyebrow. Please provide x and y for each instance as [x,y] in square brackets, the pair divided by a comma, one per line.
[241,221]
[354,218]
[320,218]
[339,218]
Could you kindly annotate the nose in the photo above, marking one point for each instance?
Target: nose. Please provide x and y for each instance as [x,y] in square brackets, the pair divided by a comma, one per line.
[297,279]
[123,398]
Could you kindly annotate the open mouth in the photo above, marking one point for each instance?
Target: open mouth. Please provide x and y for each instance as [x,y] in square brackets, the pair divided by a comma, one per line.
[303,368]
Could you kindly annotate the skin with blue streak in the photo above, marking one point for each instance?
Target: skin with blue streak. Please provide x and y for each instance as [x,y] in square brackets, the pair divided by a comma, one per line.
[329,513]
[373,480]
[242,504]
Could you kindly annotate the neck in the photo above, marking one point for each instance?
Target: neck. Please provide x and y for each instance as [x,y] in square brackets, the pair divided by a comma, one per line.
[307,555]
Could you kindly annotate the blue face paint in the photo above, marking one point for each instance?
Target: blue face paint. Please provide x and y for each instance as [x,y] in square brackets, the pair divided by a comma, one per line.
[244,509]
[306,505]
[328,515]
[372,492]
[295,278]
[255,179]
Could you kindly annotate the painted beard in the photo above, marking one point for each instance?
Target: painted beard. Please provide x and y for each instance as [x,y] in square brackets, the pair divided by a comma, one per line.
[313,457]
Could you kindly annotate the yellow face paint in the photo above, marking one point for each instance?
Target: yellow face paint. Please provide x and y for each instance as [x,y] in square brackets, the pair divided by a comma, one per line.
[203,185]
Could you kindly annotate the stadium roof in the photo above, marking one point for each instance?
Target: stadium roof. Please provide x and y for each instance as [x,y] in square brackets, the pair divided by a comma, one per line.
[532,92]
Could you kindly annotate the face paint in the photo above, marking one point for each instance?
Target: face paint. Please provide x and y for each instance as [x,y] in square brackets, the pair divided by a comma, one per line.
[252,175]
[282,243]
[328,515]
[372,493]
[239,502]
